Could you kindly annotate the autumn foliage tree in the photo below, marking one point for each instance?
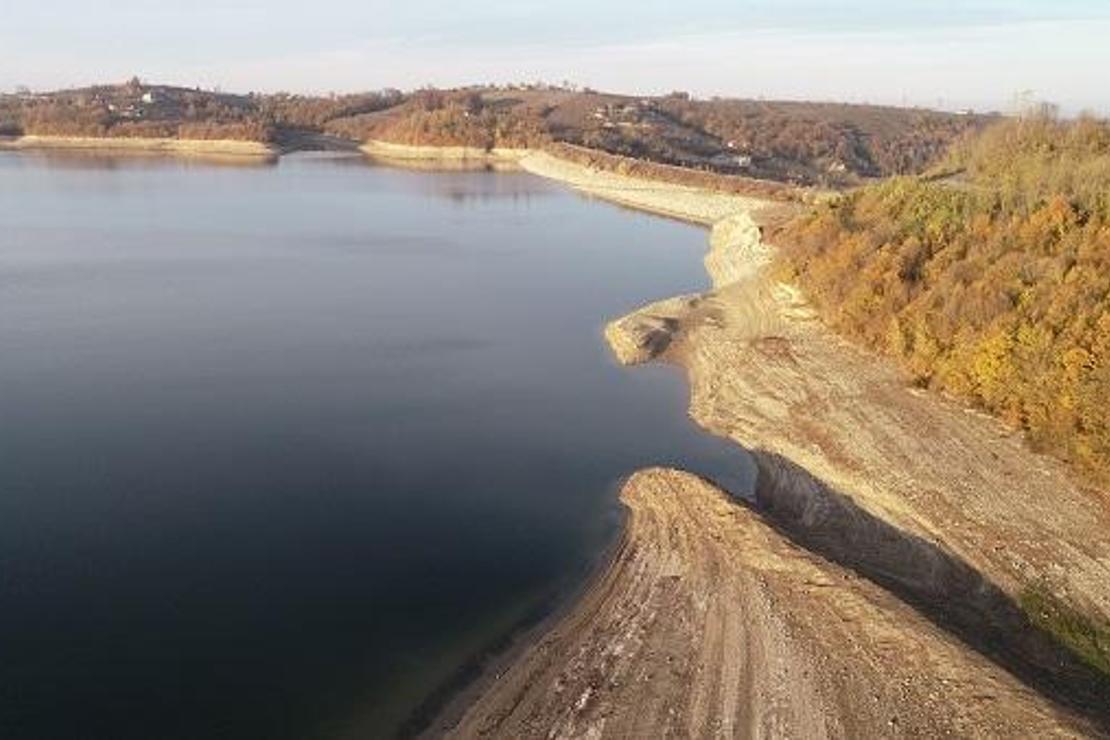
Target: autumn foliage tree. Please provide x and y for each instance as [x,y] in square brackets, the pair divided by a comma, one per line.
[992,284]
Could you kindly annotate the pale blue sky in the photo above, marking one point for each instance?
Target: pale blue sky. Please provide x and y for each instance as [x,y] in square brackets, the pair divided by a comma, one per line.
[970,53]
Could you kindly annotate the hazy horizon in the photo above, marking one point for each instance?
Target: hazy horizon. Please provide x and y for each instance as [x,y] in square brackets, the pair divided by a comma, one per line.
[979,54]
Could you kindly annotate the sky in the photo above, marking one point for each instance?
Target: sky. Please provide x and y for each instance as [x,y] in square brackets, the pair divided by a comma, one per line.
[981,54]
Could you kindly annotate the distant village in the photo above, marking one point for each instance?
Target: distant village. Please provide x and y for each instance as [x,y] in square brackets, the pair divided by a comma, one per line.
[642,114]
[134,100]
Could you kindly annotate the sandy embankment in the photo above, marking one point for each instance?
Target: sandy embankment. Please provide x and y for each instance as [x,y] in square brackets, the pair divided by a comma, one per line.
[872,591]
[441,157]
[710,624]
[177,147]
[685,203]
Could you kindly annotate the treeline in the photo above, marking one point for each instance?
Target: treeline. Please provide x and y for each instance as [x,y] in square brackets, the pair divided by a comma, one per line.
[136,111]
[991,284]
[869,141]
[449,118]
[809,144]
[50,121]
[10,119]
[313,113]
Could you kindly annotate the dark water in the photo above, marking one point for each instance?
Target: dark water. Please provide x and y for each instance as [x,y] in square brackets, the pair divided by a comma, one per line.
[282,447]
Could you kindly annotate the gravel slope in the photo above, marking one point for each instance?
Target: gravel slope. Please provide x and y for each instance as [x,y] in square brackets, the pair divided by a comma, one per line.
[710,624]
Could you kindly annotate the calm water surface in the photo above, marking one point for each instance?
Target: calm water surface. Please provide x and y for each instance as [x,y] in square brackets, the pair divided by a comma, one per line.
[282,447]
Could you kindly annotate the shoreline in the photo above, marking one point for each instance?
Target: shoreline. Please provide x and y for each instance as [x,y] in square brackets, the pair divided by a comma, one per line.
[230,148]
[689,203]
[476,678]
[442,159]
[710,623]
[873,587]
[390,151]
[764,373]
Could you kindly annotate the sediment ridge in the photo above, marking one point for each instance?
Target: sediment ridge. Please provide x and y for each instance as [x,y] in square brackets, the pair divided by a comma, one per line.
[876,586]
[177,147]
[710,623]
[443,158]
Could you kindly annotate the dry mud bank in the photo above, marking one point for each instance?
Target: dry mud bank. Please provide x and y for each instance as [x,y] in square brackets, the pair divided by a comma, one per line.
[177,147]
[873,590]
[833,428]
[687,203]
[432,157]
[709,623]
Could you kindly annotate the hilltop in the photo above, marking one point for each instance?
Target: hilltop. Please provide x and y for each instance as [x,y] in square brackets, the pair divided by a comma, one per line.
[139,110]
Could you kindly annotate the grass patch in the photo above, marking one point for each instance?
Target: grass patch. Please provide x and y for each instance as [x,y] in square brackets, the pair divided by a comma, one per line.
[1088,639]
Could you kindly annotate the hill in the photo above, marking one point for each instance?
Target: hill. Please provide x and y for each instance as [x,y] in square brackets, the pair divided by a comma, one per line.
[134,110]
[138,110]
[808,144]
[991,283]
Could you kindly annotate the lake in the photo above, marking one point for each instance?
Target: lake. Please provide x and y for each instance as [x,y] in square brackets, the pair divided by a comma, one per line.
[283,448]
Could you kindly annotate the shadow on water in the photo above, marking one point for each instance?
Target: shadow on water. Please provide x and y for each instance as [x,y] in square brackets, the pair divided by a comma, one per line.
[946,590]
[446,703]
[716,459]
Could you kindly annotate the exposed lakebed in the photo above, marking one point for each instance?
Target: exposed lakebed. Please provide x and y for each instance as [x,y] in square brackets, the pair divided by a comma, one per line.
[282,447]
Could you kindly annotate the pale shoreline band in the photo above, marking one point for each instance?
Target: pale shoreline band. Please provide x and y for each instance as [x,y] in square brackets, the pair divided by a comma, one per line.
[177,147]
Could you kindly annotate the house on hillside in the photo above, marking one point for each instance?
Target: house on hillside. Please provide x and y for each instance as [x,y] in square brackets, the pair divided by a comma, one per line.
[724,160]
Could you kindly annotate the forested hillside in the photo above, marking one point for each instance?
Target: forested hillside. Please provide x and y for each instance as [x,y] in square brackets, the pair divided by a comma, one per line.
[135,110]
[807,144]
[139,110]
[991,283]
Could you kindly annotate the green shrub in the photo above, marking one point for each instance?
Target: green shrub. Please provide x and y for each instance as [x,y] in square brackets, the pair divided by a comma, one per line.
[1081,635]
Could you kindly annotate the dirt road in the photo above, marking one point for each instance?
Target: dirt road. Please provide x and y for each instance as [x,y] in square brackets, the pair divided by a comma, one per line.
[711,624]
